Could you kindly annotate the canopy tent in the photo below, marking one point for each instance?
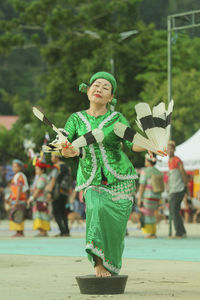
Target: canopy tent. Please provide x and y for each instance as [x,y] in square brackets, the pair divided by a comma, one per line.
[188,152]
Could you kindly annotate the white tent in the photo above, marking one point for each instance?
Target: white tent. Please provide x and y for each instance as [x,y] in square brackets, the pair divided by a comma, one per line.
[188,152]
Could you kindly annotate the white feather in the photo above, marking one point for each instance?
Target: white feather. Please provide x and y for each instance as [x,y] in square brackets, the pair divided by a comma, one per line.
[47,149]
[38,113]
[41,116]
[139,124]
[158,136]
[119,129]
[98,134]
[160,112]
[138,139]
[145,143]
[81,141]
[143,110]
[76,144]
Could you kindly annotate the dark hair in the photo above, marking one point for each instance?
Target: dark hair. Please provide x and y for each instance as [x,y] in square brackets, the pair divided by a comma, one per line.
[153,162]
[172,143]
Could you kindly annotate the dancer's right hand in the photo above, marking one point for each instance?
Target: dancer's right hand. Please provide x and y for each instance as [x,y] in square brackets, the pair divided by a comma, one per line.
[68,150]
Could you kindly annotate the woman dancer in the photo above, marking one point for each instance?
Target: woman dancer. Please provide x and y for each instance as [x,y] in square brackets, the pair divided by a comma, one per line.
[18,197]
[105,174]
[147,198]
[41,217]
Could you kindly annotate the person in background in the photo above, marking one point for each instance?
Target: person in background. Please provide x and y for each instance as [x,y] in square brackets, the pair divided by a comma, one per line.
[196,207]
[186,208]
[177,185]
[2,185]
[186,204]
[77,203]
[18,197]
[148,199]
[58,197]
[41,217]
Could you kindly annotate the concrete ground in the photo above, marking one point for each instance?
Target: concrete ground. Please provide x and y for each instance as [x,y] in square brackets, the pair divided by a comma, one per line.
[45,268]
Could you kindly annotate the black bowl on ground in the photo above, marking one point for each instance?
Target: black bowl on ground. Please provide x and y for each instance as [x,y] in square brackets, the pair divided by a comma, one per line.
[92,285]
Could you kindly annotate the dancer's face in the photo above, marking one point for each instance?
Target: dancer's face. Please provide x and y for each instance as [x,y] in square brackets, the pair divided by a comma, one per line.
[16,168]
[100,92]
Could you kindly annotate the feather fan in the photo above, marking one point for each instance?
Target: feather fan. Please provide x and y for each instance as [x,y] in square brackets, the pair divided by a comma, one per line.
[94,136]
[155,124]
[91,137]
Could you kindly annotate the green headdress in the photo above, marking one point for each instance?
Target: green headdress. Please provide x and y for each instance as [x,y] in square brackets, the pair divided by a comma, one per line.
[105,75]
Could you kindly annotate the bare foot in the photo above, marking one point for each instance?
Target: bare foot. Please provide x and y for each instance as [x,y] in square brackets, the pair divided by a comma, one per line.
[99,268]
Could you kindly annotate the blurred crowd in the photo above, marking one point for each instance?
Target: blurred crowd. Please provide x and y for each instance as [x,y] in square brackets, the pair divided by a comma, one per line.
[190,208]
[49,194]
[172,195]
[46,195]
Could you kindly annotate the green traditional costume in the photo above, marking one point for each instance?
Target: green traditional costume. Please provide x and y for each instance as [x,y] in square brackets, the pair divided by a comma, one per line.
[108,204]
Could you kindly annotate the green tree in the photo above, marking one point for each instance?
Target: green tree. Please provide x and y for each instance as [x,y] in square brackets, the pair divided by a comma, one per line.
[74,39]
[156,11]
[20,65]
[180,6]
[185,81]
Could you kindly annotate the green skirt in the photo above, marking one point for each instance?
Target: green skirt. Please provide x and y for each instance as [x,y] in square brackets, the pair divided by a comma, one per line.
[107,212]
